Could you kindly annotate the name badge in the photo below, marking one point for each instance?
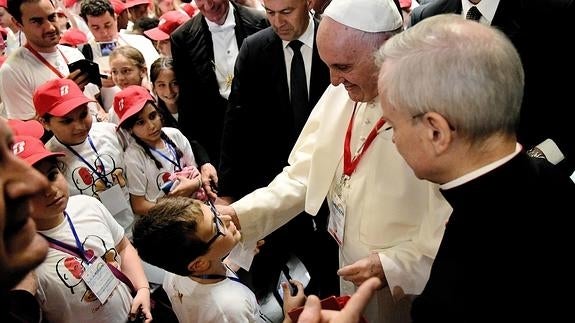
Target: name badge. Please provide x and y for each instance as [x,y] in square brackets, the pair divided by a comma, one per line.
[100,279]
[114,199]
[337,207]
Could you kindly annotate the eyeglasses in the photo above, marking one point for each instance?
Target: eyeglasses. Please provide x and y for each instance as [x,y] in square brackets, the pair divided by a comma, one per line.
[220,226]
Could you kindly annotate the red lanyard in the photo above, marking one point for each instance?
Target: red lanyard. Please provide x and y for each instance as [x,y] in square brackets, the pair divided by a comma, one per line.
[349,164]
[45,62]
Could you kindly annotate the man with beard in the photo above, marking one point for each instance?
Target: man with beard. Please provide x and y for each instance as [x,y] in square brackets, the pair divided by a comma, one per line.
[40,60]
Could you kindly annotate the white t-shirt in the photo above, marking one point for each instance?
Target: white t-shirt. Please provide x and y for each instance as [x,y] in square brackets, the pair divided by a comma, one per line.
[23,73]
[144,178]
[225,301]
[108,159]
[14,40]
[62,293]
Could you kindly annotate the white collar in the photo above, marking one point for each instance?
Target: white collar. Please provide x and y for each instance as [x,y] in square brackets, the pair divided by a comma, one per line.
[307,36]
[486,7]
[229,23]
[480,171]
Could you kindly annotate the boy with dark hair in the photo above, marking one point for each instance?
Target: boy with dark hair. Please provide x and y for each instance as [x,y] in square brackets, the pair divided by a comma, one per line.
[200,286]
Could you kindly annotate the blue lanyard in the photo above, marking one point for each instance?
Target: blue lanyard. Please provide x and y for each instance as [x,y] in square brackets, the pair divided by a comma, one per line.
[101,175]
[175,161]
[78,251]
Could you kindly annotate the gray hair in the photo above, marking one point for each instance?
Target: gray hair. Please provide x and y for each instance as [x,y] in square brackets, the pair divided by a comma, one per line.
[469,73]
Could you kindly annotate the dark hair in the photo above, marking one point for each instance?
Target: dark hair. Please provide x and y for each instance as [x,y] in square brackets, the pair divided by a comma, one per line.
[53,161]
[160,64]
[96,8]
[170,225]
[15,8]
[129,124]
[145,23]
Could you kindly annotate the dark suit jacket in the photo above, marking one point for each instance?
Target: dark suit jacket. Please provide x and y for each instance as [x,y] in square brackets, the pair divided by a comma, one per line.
[259,134]
[542,31]
[201,108]
[501,256]
[259,129]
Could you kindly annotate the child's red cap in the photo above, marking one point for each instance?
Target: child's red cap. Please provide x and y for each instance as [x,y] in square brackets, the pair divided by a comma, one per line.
[130,101]
[31,149]
[58,97]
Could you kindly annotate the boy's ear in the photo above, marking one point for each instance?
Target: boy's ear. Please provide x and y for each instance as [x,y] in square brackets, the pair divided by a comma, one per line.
[199,265]
[44,123]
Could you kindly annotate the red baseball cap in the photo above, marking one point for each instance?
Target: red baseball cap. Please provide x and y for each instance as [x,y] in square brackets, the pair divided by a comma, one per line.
[168,23]
[31,149]
[190,9]
[69,3]
[58,97]
[132,3]
[405,4]
[119,6]
[4,3]
[130,101]
[31,128]
[73,37]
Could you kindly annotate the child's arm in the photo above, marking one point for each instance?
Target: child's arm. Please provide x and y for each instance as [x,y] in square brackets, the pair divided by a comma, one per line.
[187,186]
[140,205]
[292,302]
[132,268]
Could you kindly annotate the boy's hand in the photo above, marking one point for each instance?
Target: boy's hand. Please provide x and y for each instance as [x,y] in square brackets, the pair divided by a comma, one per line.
[141,305]
[228,210]
[295,301]
[80,78]
[312,312]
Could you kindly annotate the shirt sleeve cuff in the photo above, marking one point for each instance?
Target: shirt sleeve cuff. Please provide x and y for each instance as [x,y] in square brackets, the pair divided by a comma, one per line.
[551,151]
[392,271]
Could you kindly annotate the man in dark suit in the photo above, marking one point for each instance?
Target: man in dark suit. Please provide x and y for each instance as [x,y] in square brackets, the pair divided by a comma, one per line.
[204,67]
[540,30]
[505,240]
[261,126]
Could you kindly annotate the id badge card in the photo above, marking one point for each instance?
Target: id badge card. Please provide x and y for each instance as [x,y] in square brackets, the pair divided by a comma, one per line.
[337,207]
[114,200]
[100,279]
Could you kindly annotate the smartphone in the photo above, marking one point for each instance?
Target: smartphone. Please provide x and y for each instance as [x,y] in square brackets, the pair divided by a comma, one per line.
[88,67]
[285,277]
[106,48]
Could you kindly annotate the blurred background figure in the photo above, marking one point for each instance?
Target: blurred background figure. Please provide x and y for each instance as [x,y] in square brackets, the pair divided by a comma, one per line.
[62,20]
[73,37]
[137,9]
[143,24]
[14,37]
[169,21]
[189,8]
[122,15]
[163,6]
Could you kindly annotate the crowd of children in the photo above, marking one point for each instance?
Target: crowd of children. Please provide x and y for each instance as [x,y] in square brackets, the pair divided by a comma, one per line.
[114,159]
